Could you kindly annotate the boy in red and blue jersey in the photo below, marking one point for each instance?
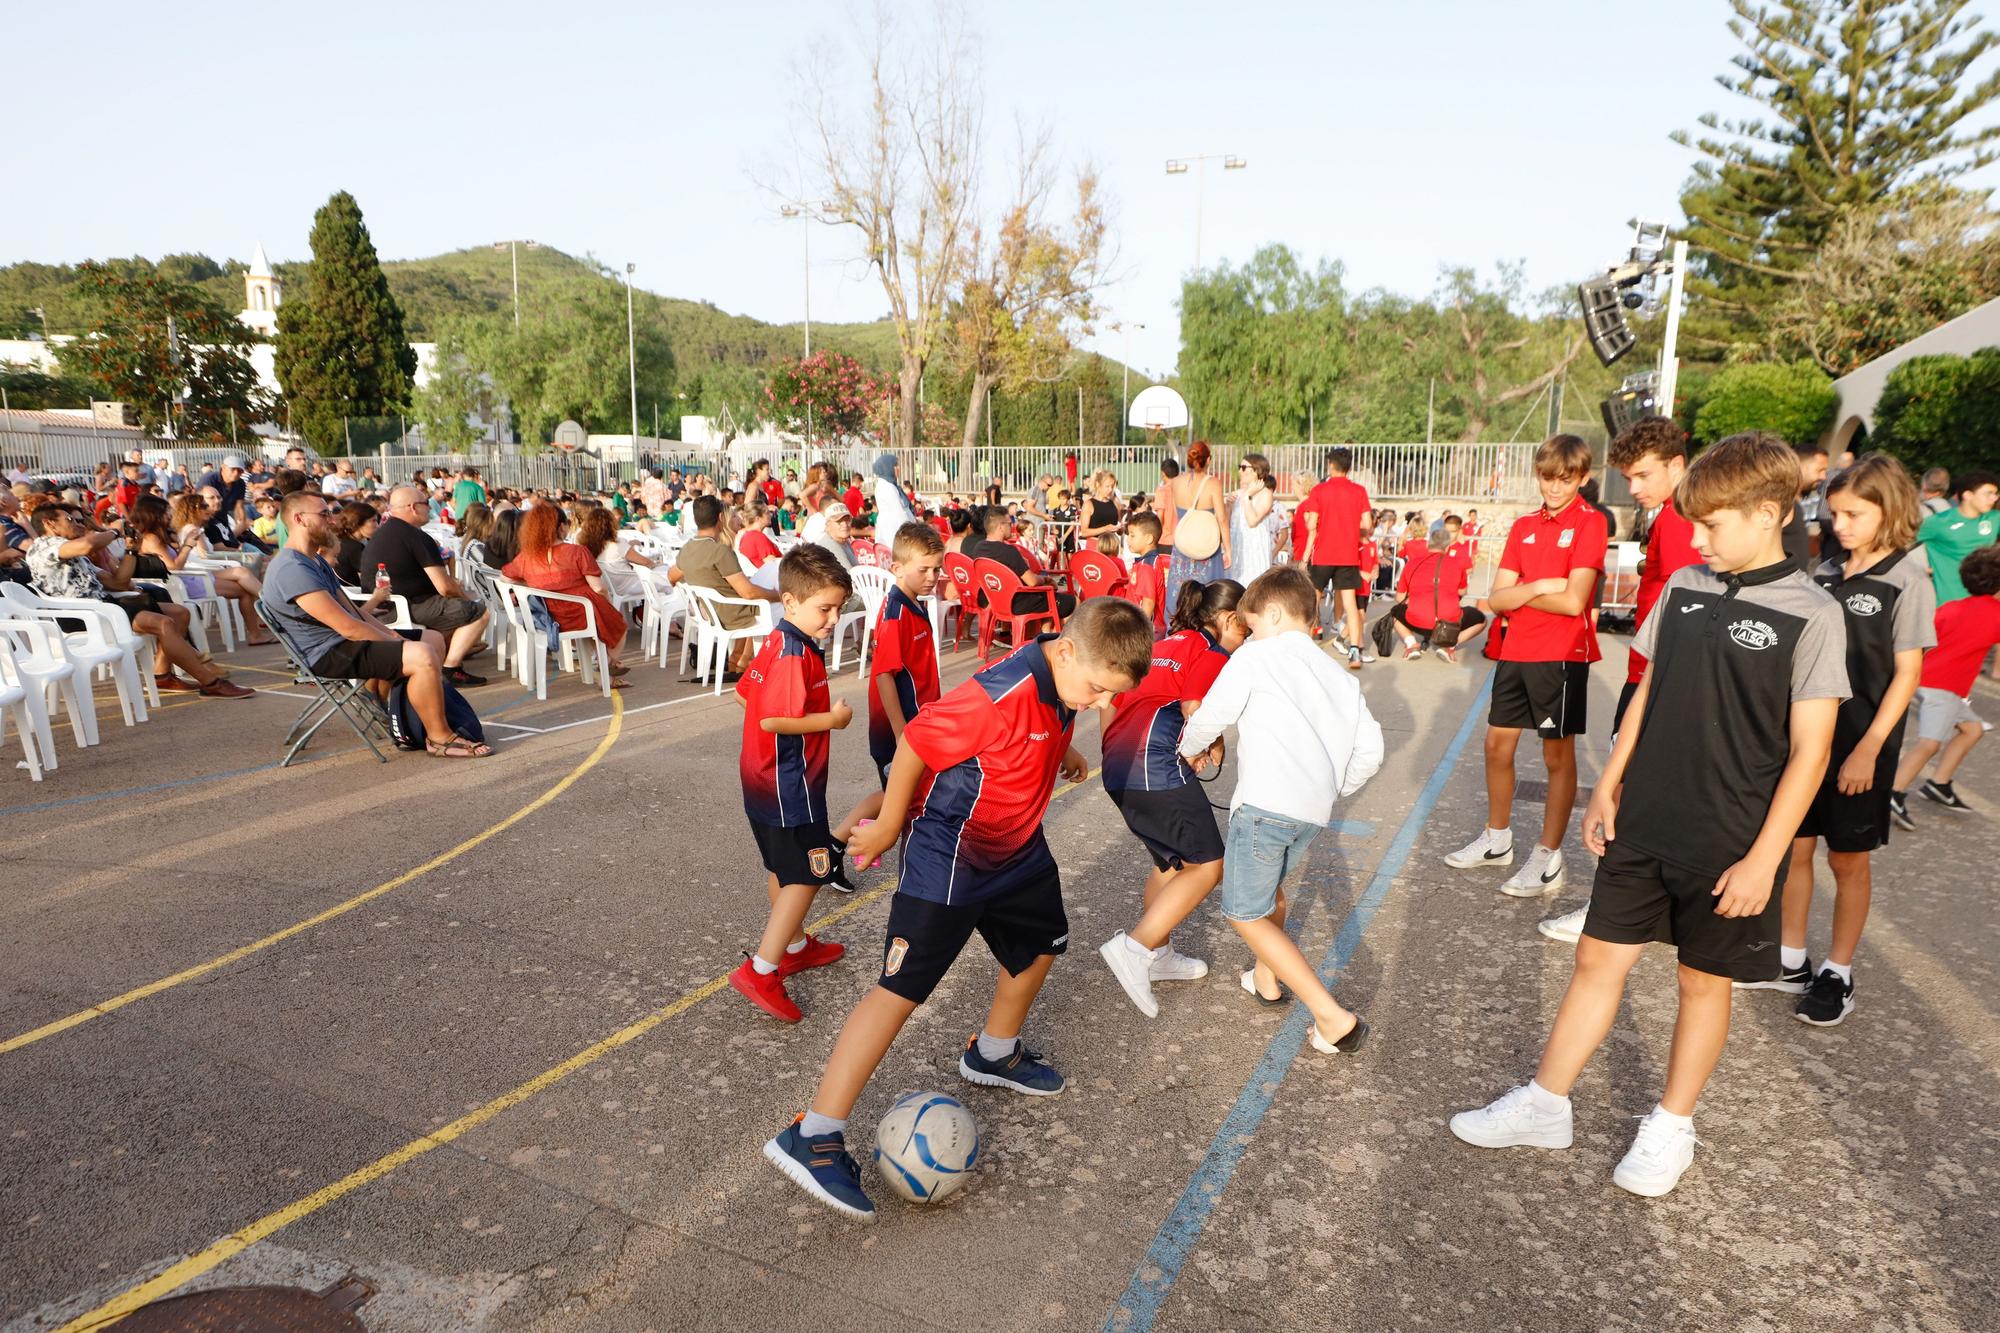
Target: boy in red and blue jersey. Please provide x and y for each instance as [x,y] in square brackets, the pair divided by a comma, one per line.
[977,768]
[1147,582]
[787,713]
[1156,790]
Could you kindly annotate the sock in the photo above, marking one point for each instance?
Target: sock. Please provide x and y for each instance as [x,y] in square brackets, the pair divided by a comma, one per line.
[996,1048]
[1845,971]
[816,1124]
[760,967]
[1544,1100]
[1791,959]
[1137,947]
[1500,837]
[1677,1121]
[797,945]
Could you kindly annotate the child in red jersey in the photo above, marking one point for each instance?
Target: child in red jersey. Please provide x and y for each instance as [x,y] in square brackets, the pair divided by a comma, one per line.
[1333,529]
[1543,588]
[787,713]
[1147,583]
[978,768]
[1163,803]
[1967,629]
[1653,456]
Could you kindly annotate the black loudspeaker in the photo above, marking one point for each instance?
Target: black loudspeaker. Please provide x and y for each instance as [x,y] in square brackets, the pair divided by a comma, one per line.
[1604,320]
[1627,408]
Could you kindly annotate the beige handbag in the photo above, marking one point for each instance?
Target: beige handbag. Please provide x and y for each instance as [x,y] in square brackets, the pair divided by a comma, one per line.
[1197,535]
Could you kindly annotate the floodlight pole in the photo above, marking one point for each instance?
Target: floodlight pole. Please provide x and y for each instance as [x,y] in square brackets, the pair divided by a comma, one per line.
[1177,166]
[632,355]
[1670,366]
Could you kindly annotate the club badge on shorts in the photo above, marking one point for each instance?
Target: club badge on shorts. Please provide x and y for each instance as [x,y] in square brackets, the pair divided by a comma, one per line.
[820,861]
[892,962]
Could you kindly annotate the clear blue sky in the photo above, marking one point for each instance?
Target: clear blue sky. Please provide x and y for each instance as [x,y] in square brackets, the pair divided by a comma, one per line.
[1394,138]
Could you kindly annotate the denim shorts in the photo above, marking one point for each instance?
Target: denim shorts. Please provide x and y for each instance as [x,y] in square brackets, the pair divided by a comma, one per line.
[1262,849]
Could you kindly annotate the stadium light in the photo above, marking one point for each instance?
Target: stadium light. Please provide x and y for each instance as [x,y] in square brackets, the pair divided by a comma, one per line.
[1177,166]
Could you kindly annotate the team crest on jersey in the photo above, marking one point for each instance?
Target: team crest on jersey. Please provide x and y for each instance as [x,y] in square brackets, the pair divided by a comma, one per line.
[1864,604]
[1753,634]
[892,962]
[819,860]
[1568,536]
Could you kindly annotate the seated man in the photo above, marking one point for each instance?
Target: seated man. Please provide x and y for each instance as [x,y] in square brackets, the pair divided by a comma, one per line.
[303,595]
[61,563]
[417,574]
[14,539]
[706,561]
[999,547]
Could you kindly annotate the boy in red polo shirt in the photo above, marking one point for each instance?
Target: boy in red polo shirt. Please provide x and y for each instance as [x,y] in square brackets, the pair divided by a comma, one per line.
[1333,533]
[1553,559]
[977,768]
[787,713]
[1146,584]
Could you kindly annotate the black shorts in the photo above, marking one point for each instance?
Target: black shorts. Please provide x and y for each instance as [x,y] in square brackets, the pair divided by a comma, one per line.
[802,854]
[1858,823]
[1638,899]
[925,938]
[1176,823]
[1544,697]
[361,659]
[445,614]
[1342,578]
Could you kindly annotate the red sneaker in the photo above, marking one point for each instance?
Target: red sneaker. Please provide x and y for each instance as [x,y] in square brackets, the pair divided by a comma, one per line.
[817,953]
[766,991]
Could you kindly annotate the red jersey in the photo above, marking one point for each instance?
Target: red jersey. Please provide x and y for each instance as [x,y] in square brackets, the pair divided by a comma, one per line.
[784,777]
[1148,579]
[1966,629]
[1433,585]
[774,492]
[1341,505]
[992,747]
[1370,561]
[852,498]
[1299,512]
[1142,739]
[903,650]
[1542,545]
[1669,546]
[756,547]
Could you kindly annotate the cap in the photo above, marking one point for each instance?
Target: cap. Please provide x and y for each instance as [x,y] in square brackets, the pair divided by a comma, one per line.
[235,461]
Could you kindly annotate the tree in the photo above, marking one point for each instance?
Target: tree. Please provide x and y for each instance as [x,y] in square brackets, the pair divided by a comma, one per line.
[826,397]
[169,352]
[1859,98]
[454,395]
[1794,402]
[730,396]
[1262,346]
[1890,273]
[1492,355]
[1942,411]
[341,346]
[903,177]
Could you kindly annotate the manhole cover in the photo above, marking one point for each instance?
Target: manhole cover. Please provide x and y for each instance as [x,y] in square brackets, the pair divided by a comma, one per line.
[254,1310]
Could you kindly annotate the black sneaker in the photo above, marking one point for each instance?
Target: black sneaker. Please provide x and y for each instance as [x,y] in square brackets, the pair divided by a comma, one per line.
[1942,793]
[1790,980]
[462,678]
[840,882]
[1829,1000]
[1899,810]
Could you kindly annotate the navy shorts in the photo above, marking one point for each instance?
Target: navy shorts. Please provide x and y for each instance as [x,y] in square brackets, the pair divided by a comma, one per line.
[802,854]
[1176,823]
[924,938]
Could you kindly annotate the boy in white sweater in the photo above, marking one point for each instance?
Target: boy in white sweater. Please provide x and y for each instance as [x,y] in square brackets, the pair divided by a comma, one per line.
[1307,739]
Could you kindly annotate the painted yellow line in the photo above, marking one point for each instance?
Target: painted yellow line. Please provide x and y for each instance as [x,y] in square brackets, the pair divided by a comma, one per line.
[237,955]
[192,1267]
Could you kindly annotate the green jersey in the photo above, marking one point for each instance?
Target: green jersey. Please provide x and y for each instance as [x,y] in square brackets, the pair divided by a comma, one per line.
[1947,539]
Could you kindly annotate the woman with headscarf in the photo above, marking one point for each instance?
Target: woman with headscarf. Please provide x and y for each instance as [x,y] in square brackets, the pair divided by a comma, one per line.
[892,507]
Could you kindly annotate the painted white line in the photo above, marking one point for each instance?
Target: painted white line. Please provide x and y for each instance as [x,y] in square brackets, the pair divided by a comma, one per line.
[511,726]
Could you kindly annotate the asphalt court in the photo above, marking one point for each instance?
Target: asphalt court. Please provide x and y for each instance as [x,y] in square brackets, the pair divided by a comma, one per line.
[510,1091]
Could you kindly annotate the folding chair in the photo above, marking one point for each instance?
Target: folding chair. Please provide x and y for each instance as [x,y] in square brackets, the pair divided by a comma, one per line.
[352,700]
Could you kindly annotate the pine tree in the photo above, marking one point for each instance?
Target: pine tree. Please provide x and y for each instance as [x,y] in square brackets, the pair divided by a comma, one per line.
[1859,98]
[341,347]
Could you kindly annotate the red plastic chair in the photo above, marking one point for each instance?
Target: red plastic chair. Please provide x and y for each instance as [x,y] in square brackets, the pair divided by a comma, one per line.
[958,569]
[1094,575]
[1001,584]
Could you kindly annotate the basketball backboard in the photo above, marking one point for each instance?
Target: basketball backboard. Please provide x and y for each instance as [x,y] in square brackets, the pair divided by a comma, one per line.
[1158,408]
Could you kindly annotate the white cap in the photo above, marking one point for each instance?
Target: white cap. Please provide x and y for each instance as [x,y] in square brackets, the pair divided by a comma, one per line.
[235,461]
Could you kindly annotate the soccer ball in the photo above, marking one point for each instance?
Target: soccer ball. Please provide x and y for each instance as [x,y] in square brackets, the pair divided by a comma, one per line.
[926,1145]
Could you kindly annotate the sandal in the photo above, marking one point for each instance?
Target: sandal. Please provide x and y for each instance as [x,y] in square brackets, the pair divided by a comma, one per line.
[621,684]
[621,670]
[458,747]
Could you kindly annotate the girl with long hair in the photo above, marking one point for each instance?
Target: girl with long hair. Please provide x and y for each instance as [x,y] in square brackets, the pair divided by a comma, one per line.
[152,525]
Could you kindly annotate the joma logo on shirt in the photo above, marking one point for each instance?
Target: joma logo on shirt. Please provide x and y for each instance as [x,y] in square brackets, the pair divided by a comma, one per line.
[1754,634]
[1040,735]
[1864,604]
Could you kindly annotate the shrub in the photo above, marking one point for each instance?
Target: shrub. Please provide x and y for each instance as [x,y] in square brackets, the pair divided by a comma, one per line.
[1942,411]
[1794,402]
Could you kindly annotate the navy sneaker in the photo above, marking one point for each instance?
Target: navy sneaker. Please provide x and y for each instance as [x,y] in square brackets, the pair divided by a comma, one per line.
[1023,1071]
[840,883]
[823,1168]
[1828,1001]
[1899,810]
[1942,793]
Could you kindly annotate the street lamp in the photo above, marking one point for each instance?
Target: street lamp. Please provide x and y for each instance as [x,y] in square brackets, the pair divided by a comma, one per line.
[1177,166]
[632,355]
[805,211]
[514,259]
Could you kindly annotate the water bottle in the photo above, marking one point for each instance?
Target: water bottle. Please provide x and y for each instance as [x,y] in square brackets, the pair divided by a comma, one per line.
[381,578]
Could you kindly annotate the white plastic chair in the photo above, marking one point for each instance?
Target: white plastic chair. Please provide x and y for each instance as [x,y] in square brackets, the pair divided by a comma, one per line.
[705,614]
[14,692]
[664,603]
[32,661]
[107,641]
[534,643]
[204,608]
[872,584]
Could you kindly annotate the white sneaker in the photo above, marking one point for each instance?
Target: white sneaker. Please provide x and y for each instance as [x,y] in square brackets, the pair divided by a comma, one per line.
[1543,874]
[1131,968]
[1368,654]
[1514,1121]
[1173,966]
[1483,850]
[1567,928]
[1658,1156]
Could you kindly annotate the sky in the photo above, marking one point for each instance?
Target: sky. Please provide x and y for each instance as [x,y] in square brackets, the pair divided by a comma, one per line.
[1392,138]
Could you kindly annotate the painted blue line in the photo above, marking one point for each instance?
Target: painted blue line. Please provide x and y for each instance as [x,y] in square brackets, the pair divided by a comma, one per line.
[1161,1266]
[134,791]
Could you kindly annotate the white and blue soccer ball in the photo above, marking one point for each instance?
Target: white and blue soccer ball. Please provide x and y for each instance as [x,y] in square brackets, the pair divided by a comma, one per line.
[926,1145]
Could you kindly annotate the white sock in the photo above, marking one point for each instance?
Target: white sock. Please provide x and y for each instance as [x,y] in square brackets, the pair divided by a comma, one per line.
[996,1048]
[1791,959]
[798,944]
[1555,854]
[1677,1121]
[816,1124]
[1136,947]
[1845,971]
[762,968]
[1500,837]
[1544,1100]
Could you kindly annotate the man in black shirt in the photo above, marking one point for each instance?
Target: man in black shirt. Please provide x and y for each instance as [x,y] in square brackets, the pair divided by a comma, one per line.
[1001,551]
[417,574]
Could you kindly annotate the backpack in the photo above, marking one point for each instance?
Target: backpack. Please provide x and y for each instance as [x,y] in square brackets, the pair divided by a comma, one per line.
[407,729]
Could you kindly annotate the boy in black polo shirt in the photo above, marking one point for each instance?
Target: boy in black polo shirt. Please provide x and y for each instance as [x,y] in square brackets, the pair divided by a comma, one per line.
[1694,815]
[1542,592]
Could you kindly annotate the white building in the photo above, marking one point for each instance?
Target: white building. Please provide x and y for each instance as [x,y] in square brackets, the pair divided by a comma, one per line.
[261,294]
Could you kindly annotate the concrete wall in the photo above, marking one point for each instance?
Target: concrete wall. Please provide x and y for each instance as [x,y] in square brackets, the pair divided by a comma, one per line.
[1860,390]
